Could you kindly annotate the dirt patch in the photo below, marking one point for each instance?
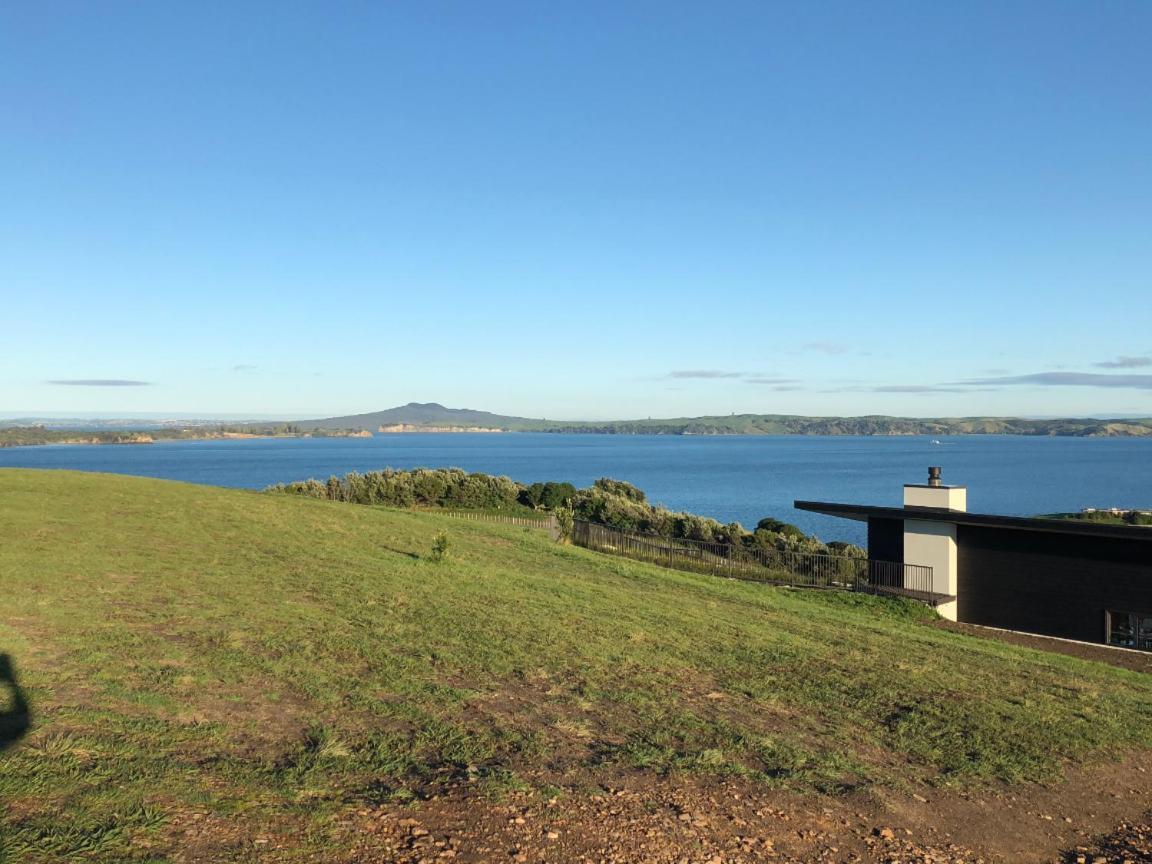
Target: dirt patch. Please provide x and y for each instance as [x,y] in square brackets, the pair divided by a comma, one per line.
[1132,842]
[1137,661]
[689,820]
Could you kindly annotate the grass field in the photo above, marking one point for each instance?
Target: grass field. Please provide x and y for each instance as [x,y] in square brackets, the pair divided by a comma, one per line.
[273,660]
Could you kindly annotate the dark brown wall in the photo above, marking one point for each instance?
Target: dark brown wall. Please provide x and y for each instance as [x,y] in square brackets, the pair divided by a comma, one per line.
[1054,584]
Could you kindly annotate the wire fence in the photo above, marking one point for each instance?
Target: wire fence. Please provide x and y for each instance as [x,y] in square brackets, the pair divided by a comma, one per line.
[543,521]
[777,567]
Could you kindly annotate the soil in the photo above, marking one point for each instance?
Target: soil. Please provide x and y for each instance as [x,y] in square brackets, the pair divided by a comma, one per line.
[1097,815]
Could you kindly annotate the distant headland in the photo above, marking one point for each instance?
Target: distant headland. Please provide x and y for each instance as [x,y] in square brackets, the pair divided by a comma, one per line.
[426,417]
[434,417]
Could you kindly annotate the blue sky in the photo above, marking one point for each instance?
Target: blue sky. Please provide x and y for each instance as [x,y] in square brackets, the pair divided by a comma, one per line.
[576,209]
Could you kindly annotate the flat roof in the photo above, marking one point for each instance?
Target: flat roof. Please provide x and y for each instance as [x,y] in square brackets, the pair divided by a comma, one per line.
[864,512]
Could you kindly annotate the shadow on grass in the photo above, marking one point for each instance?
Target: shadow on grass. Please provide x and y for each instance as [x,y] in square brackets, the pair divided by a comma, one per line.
[16,718]
[403,552]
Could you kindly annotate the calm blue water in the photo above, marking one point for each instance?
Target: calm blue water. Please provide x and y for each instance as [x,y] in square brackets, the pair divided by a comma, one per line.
[739,478]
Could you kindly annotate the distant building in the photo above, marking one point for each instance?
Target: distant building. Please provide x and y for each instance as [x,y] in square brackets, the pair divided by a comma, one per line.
[1080,580]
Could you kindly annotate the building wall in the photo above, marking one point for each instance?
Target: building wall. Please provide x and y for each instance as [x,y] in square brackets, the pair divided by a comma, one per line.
[933,544]
[1052,584]
[886,539]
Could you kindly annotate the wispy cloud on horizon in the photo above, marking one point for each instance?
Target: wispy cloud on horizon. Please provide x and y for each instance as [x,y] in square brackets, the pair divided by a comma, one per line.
[1067,379]
[826,347]
[957,387]
[760,380]
[915,388]
[746,377]
[100,382]
[704,373]
[1125,362]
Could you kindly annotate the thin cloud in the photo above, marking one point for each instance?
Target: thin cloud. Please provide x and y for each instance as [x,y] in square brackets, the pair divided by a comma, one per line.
[100,382]
[772,380]
[703,373]
[915,388]
[787,388]
[244,367]
[1069,379]
[1125,362]
[911,388]
[826,347]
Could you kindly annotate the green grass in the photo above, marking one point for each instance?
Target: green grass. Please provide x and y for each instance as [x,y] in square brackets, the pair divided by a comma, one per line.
[269,661]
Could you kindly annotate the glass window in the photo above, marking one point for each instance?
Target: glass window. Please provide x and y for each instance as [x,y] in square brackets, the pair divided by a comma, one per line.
[1121,630]
[1144,632]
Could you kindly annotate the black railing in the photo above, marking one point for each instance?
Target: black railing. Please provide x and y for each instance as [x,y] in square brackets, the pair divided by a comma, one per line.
[777,567]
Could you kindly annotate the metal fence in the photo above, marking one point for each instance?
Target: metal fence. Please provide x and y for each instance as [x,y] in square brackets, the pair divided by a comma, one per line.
[799,569]
[772,566]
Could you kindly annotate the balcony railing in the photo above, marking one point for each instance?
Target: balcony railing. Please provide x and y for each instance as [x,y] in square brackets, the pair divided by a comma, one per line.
[777,567]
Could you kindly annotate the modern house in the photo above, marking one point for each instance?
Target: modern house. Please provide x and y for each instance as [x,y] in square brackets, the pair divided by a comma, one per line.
[1086,581]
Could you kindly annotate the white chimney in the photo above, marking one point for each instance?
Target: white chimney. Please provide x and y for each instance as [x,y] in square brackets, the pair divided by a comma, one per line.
[933,543]
[934,494]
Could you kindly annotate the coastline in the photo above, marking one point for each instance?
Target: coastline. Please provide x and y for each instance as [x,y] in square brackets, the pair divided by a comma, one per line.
[154,438]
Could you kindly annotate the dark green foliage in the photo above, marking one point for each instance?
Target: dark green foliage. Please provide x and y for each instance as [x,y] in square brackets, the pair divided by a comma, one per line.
[614,503]
[618,487]
[775,526]
[548,496]
[424,487]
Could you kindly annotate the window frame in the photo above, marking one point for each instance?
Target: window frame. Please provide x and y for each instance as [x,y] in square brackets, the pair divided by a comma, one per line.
[1139,622]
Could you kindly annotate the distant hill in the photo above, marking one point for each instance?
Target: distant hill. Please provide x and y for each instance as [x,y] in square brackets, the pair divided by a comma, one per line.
[423,415]
[432,416]
[786,424]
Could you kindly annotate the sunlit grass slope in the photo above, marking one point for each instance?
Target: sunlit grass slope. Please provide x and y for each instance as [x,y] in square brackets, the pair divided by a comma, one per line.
[274,659]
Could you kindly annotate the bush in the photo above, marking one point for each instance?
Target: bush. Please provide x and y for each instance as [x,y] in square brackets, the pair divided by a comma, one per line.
[440,545]
[777,527]
[618,487]
[564,524]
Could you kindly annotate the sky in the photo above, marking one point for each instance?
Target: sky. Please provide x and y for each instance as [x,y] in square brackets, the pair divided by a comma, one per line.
[576,210]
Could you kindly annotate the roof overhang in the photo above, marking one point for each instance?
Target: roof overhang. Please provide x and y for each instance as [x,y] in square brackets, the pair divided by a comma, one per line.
[864,512]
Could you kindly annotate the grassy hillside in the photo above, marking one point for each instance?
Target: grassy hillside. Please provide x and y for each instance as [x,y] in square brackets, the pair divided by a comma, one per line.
[205,663]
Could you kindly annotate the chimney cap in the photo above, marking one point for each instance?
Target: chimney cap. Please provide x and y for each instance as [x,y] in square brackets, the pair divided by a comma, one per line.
[934,475]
